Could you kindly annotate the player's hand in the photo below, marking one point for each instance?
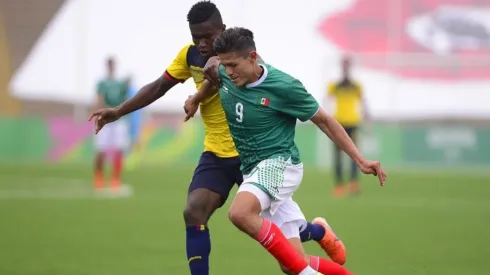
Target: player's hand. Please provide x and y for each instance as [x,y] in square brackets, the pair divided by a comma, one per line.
[373,168]
[190,108]
[210,71]
[103,116]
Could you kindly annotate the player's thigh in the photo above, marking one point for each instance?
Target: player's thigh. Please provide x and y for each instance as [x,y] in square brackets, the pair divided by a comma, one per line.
[262,198]
[121,134]
[279,179]
[212,182]
[103,139]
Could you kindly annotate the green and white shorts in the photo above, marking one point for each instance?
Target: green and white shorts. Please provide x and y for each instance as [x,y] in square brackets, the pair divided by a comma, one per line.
[273,182]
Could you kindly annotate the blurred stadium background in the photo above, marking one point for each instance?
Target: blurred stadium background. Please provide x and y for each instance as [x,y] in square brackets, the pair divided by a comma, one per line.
[425,69]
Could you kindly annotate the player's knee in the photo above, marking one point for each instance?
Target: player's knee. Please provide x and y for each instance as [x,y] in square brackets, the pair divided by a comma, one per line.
[199,207]
[244,213]
[238,217]
[195,214]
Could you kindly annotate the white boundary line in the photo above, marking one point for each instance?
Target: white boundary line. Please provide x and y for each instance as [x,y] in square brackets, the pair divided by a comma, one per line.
[22,187]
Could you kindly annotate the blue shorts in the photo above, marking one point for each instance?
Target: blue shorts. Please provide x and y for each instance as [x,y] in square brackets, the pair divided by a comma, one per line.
[217,174]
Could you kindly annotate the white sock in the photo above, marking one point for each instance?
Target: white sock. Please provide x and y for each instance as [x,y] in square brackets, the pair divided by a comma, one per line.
[308,271]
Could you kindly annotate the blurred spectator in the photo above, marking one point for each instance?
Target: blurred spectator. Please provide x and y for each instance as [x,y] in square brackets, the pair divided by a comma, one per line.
[114,136]
[349,101]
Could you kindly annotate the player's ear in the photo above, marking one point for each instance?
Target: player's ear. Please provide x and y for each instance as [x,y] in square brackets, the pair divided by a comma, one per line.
[224,27]
[253,56]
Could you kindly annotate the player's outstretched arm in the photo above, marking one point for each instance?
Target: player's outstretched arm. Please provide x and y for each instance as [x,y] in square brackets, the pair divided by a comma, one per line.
[207,90]
[332,128]
[192,103]
[146,95]
[211,70]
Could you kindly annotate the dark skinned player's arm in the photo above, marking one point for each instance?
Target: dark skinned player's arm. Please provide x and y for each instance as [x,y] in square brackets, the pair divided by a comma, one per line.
[146,95]
[208,90]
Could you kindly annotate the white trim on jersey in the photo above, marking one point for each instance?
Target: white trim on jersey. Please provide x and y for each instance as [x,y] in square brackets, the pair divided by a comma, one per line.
[261,79]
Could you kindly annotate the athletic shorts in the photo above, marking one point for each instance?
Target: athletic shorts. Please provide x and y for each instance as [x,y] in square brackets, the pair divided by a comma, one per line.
[113,136]
[273,182]
[217,174]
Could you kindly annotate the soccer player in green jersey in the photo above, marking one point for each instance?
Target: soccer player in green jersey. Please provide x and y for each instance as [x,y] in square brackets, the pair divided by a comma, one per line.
[262,105]
[114,137]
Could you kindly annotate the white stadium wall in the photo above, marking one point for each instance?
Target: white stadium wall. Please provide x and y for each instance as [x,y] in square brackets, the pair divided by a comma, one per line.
[145,36]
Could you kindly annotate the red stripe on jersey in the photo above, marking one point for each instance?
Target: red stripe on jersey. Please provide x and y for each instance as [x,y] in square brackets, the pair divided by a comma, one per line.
[171,78]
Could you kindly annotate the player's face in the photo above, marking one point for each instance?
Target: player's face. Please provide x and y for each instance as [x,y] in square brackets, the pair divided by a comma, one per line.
[203,36]
[239,67]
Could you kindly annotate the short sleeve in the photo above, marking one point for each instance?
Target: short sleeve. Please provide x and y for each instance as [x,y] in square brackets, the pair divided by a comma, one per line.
[178,71]
[297,102]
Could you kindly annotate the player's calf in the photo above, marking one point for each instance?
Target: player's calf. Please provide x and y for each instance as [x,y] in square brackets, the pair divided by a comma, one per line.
[321,265]
[117,168]
[244,214]
[99,170]
[296,243]
[201,203]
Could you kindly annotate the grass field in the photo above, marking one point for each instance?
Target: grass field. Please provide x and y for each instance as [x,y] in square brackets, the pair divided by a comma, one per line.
[51,224]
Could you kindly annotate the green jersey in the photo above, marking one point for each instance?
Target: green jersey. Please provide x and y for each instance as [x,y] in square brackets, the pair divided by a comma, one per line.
[262,115]
[112,91]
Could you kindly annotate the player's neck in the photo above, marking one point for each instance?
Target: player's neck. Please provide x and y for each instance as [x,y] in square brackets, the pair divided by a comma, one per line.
[346,80]
[259,71]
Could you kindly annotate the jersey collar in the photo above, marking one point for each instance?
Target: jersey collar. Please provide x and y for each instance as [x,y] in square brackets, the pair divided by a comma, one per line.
[260,80]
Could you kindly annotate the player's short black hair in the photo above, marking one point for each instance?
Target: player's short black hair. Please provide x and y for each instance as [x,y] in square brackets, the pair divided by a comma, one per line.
[203,11]
[236,39]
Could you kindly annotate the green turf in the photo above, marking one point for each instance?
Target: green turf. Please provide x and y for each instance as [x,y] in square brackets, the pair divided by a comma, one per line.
[417,224]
